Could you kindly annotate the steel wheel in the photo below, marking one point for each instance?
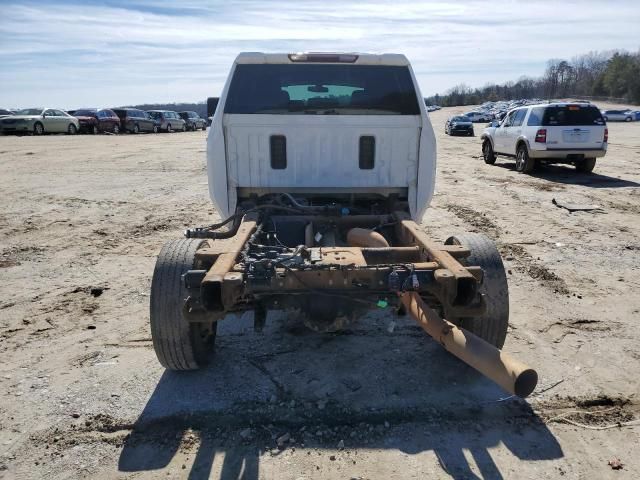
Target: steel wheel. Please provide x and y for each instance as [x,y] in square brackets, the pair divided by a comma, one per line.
[524,163]
[487,153]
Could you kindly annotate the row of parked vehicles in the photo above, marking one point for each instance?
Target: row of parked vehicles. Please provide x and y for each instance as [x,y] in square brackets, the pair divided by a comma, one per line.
[38,121]
[490,111]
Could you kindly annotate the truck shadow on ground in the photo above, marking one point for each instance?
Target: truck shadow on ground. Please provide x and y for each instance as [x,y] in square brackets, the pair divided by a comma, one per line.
[372,389]
[568,175]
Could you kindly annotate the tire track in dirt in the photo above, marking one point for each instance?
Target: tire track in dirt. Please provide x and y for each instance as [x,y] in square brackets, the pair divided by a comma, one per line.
[482,223]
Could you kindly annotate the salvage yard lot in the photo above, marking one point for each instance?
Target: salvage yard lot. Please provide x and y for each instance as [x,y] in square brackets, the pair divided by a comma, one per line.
[82,395]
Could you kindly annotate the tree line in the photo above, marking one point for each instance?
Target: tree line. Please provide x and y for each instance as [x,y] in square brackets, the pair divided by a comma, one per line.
[599,75]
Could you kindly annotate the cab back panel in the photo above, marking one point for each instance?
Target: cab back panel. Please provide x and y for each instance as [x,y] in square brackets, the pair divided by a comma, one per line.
[322,151]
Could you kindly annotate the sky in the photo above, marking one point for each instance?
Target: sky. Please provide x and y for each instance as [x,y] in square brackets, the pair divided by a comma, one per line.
[75,53]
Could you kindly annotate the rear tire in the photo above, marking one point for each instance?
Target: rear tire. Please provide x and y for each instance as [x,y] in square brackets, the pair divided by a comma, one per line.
[94,130]
[155,129]
[116,129]
[492,326]
[628,119]
[169,129]
[179,345]
[524,163]
[586,166]
[136,128]
[72,129]
[38,129]
[488,153]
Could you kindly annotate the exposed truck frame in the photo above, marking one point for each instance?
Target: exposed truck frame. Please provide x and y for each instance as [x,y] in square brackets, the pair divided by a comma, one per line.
[331,258]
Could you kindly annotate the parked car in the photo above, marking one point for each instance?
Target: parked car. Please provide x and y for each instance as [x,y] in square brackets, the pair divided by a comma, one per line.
[94,120]
[135,121]
[193,120]
[571,133]
[479,116]
[618,115]
[39,121]
[169,120]
[458,125]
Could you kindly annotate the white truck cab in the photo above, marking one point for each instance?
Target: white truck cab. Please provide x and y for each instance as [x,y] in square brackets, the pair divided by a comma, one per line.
[345,125]
[573,133]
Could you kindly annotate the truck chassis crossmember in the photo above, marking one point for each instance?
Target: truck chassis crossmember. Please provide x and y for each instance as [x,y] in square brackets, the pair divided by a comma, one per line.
[232,284]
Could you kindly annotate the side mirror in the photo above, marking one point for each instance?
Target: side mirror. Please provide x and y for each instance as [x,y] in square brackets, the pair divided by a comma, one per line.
[212,104]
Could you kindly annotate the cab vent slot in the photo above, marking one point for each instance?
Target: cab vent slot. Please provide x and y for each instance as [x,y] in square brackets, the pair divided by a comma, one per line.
[278,152]
[367,152]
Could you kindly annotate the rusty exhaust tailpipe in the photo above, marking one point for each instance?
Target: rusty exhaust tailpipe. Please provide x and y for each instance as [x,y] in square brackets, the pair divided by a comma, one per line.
[512,375]
[363,237]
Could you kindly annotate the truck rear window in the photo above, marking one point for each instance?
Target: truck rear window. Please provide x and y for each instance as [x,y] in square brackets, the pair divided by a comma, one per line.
[322,89]
[569,115]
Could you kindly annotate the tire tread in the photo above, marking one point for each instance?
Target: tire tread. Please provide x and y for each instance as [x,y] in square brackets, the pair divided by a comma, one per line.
[173,337]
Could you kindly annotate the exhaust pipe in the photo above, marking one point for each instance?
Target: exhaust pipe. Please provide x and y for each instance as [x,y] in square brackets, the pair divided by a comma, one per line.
[512,375]
[363,237]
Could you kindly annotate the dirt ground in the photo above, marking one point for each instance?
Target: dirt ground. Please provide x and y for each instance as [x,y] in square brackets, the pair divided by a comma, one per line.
[82,395]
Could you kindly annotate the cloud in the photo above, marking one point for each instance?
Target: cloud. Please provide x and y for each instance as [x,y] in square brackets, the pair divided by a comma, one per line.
[71,53]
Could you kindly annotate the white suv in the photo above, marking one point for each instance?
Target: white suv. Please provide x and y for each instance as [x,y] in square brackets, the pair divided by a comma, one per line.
[571,133]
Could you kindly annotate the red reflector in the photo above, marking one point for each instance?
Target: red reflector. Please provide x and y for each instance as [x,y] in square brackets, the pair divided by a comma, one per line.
[606,135]
[323,57]
[541,136]
[574,107]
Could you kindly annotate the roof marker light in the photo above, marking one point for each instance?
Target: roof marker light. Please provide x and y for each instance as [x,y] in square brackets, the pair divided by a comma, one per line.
[323,57]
